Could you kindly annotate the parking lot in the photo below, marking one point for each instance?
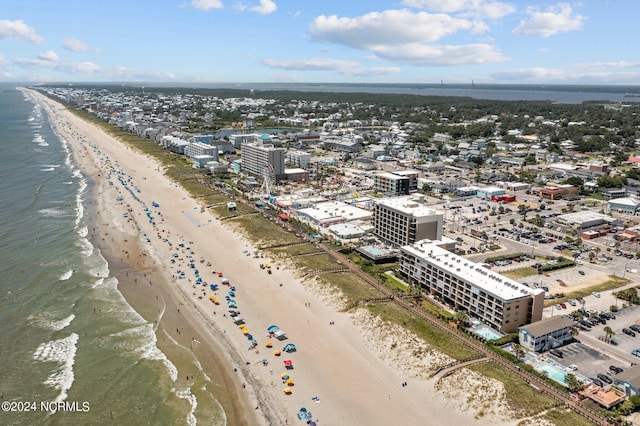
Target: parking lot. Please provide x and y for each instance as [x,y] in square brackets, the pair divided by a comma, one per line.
[592,356]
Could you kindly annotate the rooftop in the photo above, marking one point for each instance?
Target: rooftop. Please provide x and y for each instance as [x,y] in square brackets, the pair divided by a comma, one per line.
[502,287]
[547,326]
[408,205]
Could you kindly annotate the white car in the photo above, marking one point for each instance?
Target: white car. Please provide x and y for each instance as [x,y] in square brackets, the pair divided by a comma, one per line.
[596,294]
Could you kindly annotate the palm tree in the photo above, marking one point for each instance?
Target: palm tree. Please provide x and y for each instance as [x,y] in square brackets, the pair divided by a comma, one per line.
[608,331]
[518,351]
[461,318]
[575,331]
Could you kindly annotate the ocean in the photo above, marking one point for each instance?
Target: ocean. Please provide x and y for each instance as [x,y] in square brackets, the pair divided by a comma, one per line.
[73,350]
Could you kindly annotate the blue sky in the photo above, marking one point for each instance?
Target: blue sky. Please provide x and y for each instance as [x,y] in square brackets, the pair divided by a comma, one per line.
[357,41]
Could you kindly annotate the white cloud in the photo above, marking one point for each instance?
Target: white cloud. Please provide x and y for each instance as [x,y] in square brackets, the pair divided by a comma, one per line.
[619,64]
[404,36]
[18,30]
[568,75]
[391,27]
[476,8]
[531,74]
[312,64]
[265,8]
[117,73]
[207,4]
[49,55]
[556,19]
[433,55]
[75,45]
[343,67]
[3,61]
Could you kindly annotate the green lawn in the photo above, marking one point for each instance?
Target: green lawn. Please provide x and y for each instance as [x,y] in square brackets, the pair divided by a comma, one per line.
[522,399]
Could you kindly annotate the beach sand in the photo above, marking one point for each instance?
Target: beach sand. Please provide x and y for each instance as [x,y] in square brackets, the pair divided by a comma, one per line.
[356,377]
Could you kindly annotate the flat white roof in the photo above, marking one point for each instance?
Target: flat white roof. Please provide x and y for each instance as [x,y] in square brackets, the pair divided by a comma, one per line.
[478,276]
[408,205]
[335,209]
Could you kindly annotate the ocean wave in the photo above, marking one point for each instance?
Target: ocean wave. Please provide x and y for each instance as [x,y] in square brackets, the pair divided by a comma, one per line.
[62,351]
[186,394]
[83,231]
[53,212]
[96,265]
[66,275]
[47,169]
[141,341]
[48,321]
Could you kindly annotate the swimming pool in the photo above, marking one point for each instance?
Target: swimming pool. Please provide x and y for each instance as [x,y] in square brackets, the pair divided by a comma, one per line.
[553,372]
[486,332]
[371,250]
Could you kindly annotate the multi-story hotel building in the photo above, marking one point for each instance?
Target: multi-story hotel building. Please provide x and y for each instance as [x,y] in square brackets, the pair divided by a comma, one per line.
[405,220]
[500,302]
[391,184]
[257,156]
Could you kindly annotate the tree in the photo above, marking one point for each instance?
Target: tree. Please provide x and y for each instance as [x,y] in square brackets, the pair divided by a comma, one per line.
[518,351]
[609,333]
[461,318]
[573,384]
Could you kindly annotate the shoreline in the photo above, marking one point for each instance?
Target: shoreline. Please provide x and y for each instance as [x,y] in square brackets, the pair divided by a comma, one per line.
[336,363]
[132,276]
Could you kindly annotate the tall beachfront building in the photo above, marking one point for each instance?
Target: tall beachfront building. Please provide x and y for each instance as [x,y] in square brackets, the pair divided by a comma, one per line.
[500,302]
[258,156]
[404,220]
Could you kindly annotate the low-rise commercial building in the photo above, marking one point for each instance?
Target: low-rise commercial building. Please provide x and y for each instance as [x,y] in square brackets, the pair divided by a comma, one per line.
[546,334]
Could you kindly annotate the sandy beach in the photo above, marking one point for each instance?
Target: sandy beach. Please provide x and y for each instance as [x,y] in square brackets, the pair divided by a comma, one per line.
[344,370]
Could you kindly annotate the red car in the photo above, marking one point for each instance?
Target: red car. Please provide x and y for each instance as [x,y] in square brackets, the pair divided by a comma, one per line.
[564,306]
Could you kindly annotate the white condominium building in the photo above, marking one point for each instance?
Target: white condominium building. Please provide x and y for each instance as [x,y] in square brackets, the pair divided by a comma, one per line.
[257,156]
[498,301]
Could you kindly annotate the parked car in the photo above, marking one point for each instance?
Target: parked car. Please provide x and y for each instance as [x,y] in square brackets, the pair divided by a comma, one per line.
[628,332]
[605,378]
[595,294]
[614,369]
[597,382]
[556,352]
[581,272]
[571,302]
[635,327]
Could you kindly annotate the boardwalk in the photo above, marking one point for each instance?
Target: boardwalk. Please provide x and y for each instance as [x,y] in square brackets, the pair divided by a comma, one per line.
[487,354]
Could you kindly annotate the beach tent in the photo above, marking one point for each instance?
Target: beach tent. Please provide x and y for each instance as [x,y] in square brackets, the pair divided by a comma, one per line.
[289,347]
[273,328]
[280,335]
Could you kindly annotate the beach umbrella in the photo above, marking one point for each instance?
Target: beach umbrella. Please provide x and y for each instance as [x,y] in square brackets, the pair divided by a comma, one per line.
[250,337]
[287,391]
[289,382]
[268,344]
[245,331]
[284,376]
[276,352]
